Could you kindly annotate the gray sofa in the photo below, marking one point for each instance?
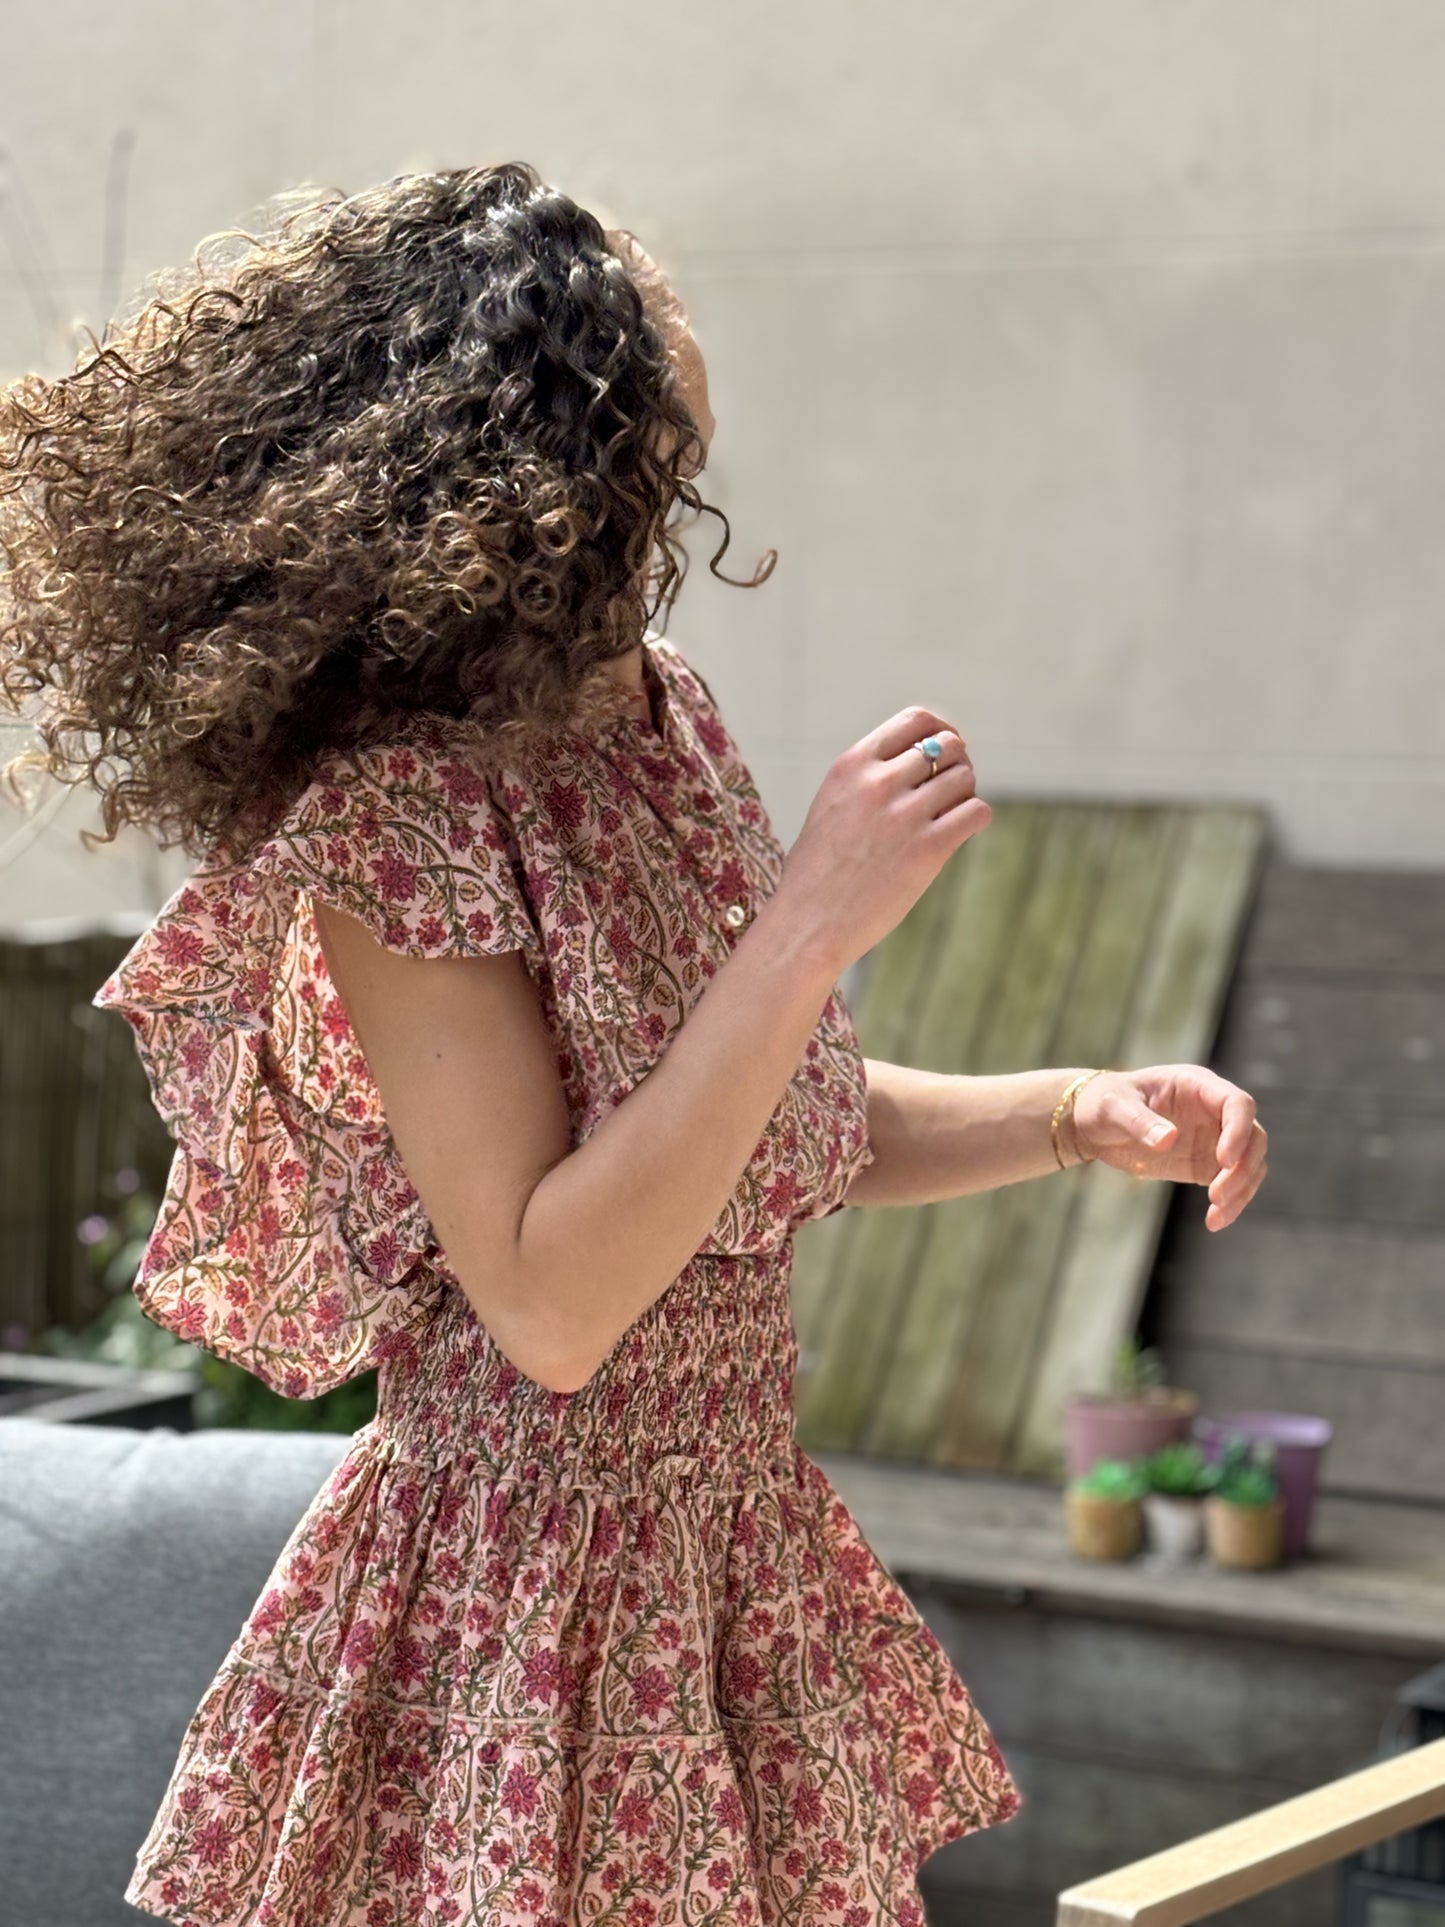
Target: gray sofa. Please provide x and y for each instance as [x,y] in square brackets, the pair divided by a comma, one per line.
[128,1561]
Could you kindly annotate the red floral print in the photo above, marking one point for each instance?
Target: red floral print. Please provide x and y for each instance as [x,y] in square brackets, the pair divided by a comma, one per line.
[616,1656]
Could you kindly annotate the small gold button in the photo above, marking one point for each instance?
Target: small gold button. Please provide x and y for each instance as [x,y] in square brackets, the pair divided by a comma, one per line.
[736,914]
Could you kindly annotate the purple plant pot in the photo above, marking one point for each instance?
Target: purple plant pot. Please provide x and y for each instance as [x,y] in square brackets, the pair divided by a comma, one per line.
[1299,1440]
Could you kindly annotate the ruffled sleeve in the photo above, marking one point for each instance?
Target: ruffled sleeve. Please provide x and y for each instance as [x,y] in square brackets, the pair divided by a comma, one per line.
[290,1239]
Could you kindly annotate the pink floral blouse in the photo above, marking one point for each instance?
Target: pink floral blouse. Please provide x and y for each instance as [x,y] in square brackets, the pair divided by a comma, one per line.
[614,1655]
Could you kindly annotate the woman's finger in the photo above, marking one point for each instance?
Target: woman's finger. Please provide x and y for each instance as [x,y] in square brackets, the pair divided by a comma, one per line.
[898,734]
[953,755]
[1227,1211]
[1236,1124]
[1242,1178]
[1255,1152]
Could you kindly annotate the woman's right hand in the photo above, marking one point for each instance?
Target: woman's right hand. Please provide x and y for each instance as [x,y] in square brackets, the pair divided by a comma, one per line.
[878,832]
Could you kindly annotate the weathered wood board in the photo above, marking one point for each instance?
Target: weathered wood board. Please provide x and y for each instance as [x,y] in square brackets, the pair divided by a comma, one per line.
[1071,932]
[1328,1295]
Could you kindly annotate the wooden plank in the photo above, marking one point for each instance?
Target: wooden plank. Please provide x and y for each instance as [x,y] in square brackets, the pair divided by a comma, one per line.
[970,967]
[1122,885]
[1360,1294]
[1326,1295]
[1390,922]
[1374,1580]
[1146,851]
[941,1361]
[1388,1436]
[876,1275]
[974,1424]
[1356,1159]
[1116,1227]
[1326,1035]
[1262,1851]
[891,982]
[1186,980]
[916,1322]
[898,974]
[1044,941]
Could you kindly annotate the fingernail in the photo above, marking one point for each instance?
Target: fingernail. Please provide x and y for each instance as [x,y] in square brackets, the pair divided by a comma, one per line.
[1158,1134]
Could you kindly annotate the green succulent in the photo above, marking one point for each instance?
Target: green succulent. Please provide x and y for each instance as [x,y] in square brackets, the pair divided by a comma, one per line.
[1136,1369]
[1180,1468]
[1113,1479]
[1247,1474]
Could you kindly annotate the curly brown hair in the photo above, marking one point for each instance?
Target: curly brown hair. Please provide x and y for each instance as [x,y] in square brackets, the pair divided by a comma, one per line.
[413,449]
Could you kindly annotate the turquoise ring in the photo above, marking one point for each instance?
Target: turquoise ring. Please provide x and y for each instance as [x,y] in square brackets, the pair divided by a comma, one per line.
[932,749]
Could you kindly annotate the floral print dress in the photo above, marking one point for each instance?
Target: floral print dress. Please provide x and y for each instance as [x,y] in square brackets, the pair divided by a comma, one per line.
[615,1655]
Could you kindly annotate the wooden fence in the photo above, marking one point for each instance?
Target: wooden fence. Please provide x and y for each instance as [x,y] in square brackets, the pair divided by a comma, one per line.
[75,1110]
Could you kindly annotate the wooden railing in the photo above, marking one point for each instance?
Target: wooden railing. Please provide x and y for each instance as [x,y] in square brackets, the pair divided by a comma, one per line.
[1265,1849]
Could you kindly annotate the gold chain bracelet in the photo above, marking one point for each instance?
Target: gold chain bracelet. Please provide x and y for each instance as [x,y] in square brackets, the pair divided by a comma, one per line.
[1071,1091]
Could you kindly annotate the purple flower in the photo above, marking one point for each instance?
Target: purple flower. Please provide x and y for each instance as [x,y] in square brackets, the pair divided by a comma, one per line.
[91,1230]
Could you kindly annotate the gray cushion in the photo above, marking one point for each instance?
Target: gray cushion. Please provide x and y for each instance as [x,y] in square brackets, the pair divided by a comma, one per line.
[128,1562]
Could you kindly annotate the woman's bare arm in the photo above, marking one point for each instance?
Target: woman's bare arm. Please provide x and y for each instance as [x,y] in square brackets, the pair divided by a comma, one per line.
[558,1249]
[938,1135]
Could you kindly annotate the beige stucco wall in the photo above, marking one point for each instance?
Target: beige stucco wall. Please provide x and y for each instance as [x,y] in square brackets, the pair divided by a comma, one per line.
[1085,364]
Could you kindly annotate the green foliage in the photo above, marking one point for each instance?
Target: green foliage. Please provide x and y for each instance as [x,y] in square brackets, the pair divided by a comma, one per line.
[1180,1468]
[1247,1474]
[1121,1479]
[230,1395]
[121,1334]
[1137,1368]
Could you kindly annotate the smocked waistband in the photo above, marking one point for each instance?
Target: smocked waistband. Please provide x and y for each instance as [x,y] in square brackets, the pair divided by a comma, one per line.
[700,1386]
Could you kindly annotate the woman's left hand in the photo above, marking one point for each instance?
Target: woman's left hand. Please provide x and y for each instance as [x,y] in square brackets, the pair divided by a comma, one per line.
[1213,1135]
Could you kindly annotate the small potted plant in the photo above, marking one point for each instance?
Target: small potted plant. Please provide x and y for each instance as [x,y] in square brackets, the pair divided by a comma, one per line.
[1133,1417]
[1244,1514]
[1178,1477]
[1103,1510]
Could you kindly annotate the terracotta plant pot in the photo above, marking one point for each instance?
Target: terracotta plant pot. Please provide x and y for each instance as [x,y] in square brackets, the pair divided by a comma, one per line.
[1103,1528]
[1174,1524]
[1244,1535]
[1100,1425]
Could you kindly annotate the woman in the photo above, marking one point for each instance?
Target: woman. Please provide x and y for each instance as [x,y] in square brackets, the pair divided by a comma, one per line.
[504,1054]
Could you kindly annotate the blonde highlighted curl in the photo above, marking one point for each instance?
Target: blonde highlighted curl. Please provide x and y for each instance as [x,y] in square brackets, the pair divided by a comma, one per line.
[418,448]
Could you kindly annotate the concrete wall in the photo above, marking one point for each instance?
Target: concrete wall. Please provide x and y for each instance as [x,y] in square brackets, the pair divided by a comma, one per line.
[1086,365]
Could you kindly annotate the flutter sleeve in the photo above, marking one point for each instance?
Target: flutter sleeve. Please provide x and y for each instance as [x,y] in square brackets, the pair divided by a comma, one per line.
[289,1238]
